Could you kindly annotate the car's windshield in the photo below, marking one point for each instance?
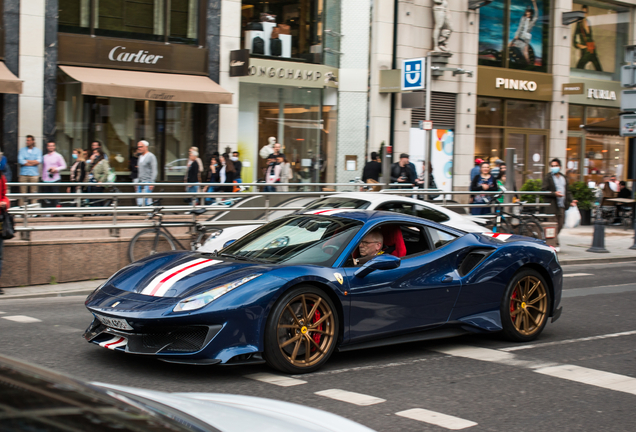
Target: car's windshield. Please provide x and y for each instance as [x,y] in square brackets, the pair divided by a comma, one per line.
[296,240]
[338,203]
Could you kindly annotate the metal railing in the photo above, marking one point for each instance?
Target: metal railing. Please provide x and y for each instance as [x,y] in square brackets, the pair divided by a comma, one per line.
[226,204]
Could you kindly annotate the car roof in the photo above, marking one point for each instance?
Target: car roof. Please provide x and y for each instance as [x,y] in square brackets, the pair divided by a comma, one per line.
[366,216]
[378,197]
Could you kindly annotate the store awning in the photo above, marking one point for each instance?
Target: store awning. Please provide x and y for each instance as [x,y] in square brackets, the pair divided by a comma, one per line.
[9,83]
[148,85]
[605,127]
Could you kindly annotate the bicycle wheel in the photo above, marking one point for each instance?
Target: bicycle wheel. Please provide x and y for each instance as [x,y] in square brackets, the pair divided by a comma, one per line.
[149,242]
[531,229]
[505,227]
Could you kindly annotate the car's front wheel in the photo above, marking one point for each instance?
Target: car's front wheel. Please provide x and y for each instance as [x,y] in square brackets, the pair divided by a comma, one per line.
[301,331]
[525,306]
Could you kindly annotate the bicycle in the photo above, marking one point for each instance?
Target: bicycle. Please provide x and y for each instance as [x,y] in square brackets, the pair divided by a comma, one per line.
[157,239]
[525,224]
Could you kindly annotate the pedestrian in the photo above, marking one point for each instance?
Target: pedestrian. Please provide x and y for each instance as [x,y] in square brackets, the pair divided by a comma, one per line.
[198,159]
[193,175]
[227,172]
[372,169]
[272,174]
[147,166]
[561,197]
[5,169]
[476,169]
[132,166]
[496,170]
[421,183]
[403,171]
[285,172]
[78,171]
[212,176]
[624,192]
[238,166]
[98,172]
[94,146]
[29,158]
[484,181]
[52,164]
[277,149]
[4,206]
[613,183]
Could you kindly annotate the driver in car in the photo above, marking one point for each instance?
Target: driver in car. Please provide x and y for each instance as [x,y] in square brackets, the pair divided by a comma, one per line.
[370,246]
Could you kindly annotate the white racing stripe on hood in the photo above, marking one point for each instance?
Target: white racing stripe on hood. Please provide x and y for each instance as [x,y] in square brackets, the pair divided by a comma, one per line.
[498,236]
[163,282]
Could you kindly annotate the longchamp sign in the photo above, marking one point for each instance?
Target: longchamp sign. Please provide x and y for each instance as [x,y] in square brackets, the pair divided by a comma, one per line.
[290,74]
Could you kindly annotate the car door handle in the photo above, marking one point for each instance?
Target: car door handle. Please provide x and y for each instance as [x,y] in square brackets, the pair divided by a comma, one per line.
[447,279]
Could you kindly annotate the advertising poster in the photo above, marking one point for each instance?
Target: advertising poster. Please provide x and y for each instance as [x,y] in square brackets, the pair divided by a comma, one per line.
[595,39]
[526,37]
[441,155]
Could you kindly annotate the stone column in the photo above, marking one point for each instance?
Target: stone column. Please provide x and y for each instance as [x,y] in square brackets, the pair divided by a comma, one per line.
[212,36]
[50,68]
[31,67]
[561,46]
[353,87]
[11,23]
[230,39]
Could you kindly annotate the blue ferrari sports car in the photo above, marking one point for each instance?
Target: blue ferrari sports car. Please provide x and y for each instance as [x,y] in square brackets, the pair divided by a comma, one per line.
[298,288]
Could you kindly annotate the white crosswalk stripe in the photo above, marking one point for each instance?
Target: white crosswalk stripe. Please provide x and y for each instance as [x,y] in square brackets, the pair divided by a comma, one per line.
[579,374]
[435,418]
[567,341]
[350,397]
[21,319]
[278,380]
[577,274]
[2,313]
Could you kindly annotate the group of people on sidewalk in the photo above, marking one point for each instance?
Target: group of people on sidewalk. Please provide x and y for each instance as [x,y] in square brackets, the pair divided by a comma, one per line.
[402,172]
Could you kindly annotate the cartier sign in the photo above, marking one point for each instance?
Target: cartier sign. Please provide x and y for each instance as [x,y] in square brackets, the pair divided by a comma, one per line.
[84,50]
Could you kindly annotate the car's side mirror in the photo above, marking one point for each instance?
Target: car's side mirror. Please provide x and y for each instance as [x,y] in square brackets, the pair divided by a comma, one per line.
[380,262]
[227,243]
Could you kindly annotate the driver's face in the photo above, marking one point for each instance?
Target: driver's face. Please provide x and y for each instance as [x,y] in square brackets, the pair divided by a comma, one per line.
[369,246]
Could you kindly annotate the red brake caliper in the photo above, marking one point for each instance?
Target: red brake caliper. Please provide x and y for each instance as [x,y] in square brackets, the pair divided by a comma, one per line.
[316,336]
[512,303]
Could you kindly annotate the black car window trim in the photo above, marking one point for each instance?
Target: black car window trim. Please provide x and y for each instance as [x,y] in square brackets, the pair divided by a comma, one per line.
[452,234]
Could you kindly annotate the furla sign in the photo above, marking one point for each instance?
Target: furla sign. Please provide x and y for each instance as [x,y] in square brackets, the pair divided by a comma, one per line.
[120,54]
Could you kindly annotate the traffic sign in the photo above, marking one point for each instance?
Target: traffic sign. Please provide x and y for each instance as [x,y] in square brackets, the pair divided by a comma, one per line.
[413,74]
[426,125]
[628,100]
[628,125]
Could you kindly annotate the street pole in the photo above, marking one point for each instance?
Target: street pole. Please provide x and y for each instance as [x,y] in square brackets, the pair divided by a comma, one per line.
[510,173]
[429,133]
[632,147]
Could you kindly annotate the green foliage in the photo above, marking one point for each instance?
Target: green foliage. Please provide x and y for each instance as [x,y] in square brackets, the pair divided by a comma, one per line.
[583,194]
[531,185]
[53,281]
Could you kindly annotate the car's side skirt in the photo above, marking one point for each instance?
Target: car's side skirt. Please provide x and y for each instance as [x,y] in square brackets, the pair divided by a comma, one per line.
[438,333]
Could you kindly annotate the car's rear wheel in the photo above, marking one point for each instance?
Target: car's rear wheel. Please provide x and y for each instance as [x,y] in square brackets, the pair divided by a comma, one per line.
[301,331]
[525,306]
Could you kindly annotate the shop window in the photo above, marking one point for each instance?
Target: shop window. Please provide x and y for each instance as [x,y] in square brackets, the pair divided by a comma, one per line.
[575,117]
[526,114]
[598,40]
[132,19]
[515,35]
[488,144]
[489,112]
[604,156]
[573,159]
[597,114]
[292,29]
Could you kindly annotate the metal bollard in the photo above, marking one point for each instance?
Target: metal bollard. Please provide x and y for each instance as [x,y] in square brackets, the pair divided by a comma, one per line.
[633,247]
[598,241]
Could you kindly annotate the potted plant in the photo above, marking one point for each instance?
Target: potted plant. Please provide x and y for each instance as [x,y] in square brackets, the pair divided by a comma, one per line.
[585,197]
[532,185]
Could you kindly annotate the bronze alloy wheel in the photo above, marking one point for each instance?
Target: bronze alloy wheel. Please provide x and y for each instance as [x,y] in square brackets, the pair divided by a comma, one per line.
[529,305]
[302,331]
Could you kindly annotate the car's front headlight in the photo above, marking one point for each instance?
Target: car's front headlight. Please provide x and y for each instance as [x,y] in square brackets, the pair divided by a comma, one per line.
[200,300]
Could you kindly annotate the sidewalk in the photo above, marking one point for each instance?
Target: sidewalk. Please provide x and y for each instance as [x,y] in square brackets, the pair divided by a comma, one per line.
[574,245]
[576,241]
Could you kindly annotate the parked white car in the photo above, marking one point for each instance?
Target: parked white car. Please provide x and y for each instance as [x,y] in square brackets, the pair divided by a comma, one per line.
[354,200]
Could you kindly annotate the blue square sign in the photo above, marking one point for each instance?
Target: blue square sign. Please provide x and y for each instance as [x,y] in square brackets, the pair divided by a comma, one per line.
[413,74]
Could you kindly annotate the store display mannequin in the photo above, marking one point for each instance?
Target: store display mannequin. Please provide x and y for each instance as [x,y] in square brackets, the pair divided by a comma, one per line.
[268,148]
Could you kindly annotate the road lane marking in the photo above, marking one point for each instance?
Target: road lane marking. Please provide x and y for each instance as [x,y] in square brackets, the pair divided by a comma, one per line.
[21,319]
[350,397]
[437,419]
[577,274]
[608,289]
[568,341]
[579,374]
[1,313]
[593,377]
[278,380]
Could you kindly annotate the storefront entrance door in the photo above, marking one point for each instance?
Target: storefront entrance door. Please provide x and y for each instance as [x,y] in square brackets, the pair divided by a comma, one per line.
[530,157]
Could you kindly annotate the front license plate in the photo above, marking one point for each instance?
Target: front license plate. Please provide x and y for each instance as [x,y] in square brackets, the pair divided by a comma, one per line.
[115,323]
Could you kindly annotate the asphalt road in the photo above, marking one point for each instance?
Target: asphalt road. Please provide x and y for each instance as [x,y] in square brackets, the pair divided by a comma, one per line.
[580,375]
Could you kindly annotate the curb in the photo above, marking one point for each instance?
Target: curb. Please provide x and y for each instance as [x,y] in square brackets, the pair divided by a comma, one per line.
[595,260]
[46,294]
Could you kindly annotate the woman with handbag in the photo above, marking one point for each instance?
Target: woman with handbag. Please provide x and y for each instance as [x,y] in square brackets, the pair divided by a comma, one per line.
[4,206]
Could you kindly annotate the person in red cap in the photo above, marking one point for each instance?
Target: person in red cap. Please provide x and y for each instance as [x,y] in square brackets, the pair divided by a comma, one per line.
[475,170]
